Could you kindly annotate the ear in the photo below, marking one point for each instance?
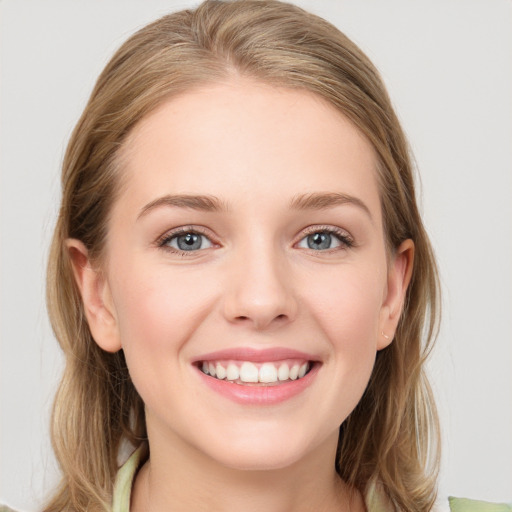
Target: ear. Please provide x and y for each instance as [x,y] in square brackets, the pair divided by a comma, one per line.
[96,297]
[399,275]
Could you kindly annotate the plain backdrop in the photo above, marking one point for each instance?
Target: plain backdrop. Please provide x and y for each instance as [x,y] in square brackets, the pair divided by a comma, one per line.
[448,67]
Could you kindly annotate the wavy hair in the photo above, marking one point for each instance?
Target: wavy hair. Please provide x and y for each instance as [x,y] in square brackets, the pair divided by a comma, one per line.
[392,437]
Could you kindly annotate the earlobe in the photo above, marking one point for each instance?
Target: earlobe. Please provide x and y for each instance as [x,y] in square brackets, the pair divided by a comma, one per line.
[399,277]
[96,297]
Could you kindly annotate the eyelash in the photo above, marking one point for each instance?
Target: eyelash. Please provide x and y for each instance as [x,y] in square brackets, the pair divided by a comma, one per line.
[185,230]
[341,235]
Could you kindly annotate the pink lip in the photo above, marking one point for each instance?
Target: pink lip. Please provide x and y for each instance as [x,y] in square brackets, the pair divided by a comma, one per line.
[256,356]
[257,394]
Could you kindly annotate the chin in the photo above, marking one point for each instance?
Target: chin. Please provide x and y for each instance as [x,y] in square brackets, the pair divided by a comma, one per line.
[260,453]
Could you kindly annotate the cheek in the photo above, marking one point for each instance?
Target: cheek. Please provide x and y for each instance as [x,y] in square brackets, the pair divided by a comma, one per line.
[348,312]
[157,312]
[156,317]
[348,305]
[158,307]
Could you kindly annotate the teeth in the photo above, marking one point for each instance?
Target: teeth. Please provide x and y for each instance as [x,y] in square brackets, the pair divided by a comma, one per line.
[247,372]
[268,373]
[284,372]
[232,373]
[220,371]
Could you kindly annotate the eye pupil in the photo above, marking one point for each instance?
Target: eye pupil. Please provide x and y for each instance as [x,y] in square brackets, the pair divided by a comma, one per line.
[189,241]
[319,241]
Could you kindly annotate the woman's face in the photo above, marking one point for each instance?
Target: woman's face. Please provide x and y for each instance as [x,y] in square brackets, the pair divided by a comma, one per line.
[247,242]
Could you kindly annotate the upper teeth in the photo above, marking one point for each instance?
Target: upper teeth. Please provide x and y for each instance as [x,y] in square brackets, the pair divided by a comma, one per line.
[246,371]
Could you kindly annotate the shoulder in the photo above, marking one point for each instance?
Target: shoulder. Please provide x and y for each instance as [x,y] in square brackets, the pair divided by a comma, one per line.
[466,505]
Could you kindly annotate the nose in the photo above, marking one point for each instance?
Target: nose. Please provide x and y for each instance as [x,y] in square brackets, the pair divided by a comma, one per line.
[259,291]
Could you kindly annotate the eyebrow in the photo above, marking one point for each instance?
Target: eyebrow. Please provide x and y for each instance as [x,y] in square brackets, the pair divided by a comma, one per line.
[207,203]
[195,202]
[324,200]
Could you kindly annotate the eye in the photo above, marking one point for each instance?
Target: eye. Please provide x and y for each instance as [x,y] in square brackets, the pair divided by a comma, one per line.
[325,239]
[186,241]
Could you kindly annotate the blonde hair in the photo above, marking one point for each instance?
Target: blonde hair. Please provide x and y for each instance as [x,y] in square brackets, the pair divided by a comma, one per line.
[391,437]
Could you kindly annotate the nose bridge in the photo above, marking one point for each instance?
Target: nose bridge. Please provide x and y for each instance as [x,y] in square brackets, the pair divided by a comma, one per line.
[260,290]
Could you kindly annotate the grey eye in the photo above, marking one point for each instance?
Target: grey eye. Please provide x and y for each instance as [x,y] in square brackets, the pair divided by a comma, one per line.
[320,241]
[189,242]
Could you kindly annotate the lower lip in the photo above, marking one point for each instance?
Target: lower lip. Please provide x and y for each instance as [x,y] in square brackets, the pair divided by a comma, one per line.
[260,395]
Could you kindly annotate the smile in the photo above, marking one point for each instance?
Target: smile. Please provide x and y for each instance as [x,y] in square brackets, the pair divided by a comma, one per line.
[250,373]
[258,377]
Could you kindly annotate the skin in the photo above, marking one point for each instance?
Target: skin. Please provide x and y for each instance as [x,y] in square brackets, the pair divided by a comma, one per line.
[255,283]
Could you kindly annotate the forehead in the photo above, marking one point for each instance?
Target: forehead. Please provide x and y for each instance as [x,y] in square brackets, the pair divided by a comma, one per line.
[246,137]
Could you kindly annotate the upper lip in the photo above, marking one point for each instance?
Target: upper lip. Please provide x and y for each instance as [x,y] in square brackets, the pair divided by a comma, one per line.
[256,355]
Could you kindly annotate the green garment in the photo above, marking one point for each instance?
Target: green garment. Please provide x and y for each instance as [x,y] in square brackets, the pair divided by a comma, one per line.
[465,505]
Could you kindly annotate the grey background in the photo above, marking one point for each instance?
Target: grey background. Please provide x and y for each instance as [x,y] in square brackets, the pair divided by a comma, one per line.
[448,67]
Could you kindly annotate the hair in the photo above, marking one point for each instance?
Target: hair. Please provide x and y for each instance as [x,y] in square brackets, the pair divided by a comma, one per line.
[392,436]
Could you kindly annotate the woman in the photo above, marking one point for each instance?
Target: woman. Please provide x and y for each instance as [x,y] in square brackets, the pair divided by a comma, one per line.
[236,331]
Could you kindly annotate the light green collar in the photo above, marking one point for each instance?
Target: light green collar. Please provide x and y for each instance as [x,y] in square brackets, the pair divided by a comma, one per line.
[124,480]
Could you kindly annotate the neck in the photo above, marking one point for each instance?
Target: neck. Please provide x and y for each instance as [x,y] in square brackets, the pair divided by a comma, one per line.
[179,478]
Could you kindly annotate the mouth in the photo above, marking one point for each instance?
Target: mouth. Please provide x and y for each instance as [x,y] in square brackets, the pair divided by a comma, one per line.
[249,373]
[258,377]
